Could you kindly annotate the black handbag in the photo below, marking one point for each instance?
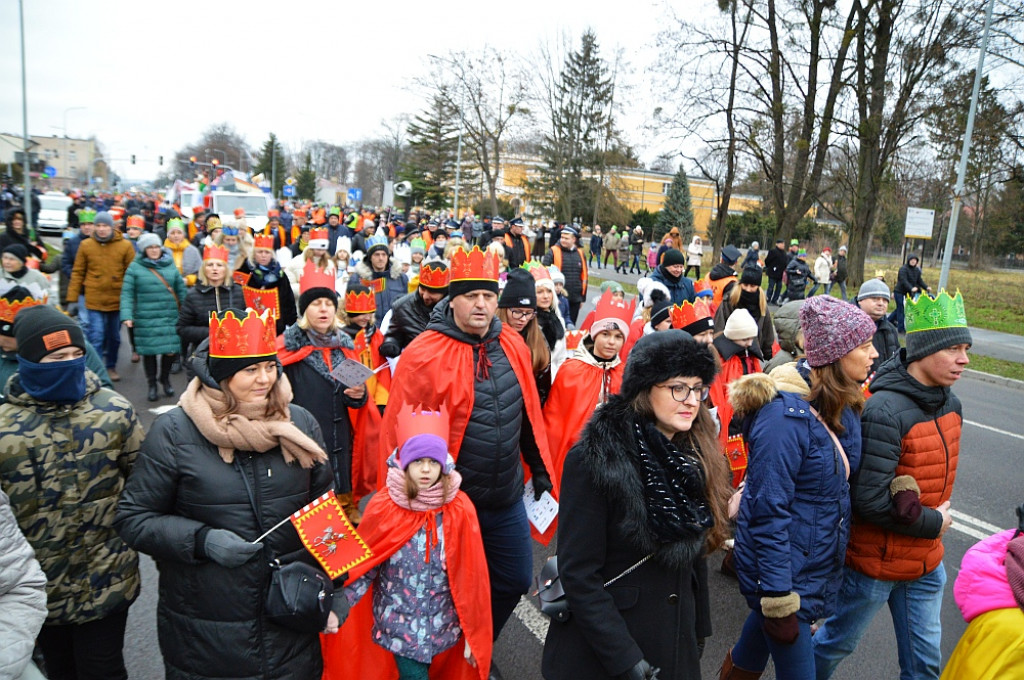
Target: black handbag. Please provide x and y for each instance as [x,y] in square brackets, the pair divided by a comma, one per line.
[299,596]
[551,595]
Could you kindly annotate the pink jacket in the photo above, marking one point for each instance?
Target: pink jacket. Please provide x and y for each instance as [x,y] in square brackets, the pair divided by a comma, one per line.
[982,586]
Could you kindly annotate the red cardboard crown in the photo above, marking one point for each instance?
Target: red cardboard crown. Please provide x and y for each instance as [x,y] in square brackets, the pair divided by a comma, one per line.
[610,310]
[573,339]
[434,275]
[312,277]
[216,253]
[136,221]
[474,265]
[689,312]
[360,302]
[263,241]
[537,270]
[254,335]
[414,420]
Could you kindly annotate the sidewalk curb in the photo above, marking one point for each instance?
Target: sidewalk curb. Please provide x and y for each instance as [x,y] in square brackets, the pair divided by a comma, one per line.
[994,379]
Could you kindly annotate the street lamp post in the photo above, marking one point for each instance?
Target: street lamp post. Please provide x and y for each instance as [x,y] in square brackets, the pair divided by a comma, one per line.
[26,165]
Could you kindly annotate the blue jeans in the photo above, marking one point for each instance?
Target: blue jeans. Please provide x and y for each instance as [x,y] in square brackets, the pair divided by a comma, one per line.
[827,287]
[792,662]
[915,607]
[897,317]
[83,315]
[508,548]
[774,289]
[842,289]
[104,334]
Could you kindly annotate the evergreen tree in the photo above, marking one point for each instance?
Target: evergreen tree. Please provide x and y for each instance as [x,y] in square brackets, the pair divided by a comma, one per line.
[580,104]
[265,165]
[430,164]
[305,179]
[678,209]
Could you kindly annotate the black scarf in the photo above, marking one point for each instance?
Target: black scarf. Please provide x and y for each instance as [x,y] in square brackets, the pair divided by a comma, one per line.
[550,326]
[750,302]
[674,487]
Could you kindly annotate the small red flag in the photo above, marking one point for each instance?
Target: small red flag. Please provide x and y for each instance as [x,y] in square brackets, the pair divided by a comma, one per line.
[241,278]
[262,299]
[328,535]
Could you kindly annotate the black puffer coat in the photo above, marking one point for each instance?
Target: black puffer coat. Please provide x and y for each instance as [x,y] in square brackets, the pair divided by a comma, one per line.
[652,613]
[209,618]
[409,317]
[194,315]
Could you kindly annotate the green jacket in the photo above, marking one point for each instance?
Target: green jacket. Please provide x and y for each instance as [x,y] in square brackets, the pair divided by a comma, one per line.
[150,304]
[64,468]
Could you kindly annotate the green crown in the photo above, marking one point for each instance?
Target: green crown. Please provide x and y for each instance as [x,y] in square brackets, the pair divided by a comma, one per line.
[929,314]
[86,216]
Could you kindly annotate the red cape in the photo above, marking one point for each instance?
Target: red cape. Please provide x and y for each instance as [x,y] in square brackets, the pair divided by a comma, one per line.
[366,419]
[731,369]
[570,405]
[352,654]
[436,371]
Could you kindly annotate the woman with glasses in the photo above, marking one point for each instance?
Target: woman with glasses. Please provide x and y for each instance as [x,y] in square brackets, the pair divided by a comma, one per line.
[794,516]
[517,307]
[587,379]
[643,498]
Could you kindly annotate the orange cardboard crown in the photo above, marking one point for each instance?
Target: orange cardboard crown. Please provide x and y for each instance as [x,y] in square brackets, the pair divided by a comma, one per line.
[689,313]
[434,275]
[136,221]
[537,270]
[9,309]
[612,313]
[474,265]
[360,302]
[216,253]
[254,335]
[312,277]
[263,241]
[414,420]
[573,339]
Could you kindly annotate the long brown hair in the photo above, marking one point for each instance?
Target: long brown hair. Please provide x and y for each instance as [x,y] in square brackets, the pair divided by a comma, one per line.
[703,439]
[535,340]
[277,406]
[832,391]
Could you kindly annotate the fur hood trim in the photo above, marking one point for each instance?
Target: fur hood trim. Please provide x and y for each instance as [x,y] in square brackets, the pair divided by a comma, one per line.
[607,450]
[365,272]
[751,392]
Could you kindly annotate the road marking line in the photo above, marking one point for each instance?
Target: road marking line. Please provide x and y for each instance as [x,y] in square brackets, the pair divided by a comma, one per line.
[531,617]
[995,429]
[970,531]
[981,524]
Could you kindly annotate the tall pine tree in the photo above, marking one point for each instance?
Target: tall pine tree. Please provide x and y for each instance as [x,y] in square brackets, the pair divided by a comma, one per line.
[430,164]
[678,209]
[305,179]
[265,164]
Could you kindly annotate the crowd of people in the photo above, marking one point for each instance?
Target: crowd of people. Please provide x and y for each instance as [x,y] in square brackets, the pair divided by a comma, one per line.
[686,422]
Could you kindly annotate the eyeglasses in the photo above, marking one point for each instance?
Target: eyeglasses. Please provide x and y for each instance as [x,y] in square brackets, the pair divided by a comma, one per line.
[682,392]
[522,313]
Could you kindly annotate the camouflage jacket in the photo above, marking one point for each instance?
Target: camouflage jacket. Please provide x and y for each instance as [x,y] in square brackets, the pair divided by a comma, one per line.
[64,468]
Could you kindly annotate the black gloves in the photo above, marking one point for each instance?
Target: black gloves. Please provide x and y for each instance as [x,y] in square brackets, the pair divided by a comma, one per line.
[228,549]
[780,622]
[641,671]
[71,308]
[390,349]
[340,606]
[541,483]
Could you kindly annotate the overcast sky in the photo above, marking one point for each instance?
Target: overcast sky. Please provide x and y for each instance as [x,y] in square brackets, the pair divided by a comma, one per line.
[153,75]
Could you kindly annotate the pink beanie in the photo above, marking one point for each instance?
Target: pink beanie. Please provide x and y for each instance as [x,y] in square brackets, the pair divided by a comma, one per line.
[832,328]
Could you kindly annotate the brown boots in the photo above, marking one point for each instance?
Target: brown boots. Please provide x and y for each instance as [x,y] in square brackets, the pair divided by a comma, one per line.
[732,672]
[350,508]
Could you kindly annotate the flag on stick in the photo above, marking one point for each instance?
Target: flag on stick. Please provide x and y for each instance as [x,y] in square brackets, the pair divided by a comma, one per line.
[328,535]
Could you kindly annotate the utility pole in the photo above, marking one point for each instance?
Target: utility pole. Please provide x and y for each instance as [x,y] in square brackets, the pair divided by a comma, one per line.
[458,152]
[26,165]
[273,167]
[958,190]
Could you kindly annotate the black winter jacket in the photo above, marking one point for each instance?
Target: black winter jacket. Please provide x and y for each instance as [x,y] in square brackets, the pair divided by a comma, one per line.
[409,317]
[886,340]
[498,428]
[210,618]
[842,270]
[797,274]
[775,263]
[325,398]
[908,279]
[572,269]
[285,295]
[194,315]
[653,613]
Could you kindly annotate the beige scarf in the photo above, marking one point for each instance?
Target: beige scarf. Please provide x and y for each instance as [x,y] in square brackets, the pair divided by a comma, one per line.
[249,429]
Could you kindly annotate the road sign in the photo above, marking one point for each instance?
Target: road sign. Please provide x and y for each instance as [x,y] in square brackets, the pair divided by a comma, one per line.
[920,223]
[355,194]
[290,181]
[288,190]
[50,171]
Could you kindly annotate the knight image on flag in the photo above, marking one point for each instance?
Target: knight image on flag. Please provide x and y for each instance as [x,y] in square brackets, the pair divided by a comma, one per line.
[328,535]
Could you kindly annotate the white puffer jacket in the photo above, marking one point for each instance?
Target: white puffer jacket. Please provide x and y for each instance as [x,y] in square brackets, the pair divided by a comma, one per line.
[22,595]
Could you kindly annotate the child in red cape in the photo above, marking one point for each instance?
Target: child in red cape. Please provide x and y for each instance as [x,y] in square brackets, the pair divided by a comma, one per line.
[425,539]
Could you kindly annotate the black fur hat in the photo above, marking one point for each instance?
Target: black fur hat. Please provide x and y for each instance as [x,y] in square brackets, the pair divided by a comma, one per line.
[663,355]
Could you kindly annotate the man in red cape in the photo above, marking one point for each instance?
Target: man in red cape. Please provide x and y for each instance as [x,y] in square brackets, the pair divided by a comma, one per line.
[480,372]
[351,654]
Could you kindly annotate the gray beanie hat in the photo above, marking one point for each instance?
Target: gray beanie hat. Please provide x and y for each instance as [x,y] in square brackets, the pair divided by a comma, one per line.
[147,240]
[874,288]
[104,218]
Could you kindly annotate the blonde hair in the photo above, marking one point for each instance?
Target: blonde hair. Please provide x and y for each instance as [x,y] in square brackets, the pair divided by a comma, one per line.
[734,298]
[324,260]
[228,271]
[303,323]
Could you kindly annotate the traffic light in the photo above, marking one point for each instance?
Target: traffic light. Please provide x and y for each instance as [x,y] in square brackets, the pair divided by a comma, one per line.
[133,159]
[160,160]
[191,161]
[215,162]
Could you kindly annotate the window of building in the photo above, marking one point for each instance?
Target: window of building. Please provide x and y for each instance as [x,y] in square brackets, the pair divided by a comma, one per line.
[665,186]
[72,155]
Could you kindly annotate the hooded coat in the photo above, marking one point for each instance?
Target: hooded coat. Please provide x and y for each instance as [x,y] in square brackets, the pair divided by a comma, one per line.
[909,278]
[680,289]
[650,613]
[388,286]
[194,315]
[151,305]
[787,327]
[210,618]
[99,269]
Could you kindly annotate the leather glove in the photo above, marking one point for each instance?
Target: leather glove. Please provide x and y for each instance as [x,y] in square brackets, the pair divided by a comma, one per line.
[390,349]
[641,671]
[340,606]
[780,622]
[72,309]
[228,549]
[906,499]
[541,483]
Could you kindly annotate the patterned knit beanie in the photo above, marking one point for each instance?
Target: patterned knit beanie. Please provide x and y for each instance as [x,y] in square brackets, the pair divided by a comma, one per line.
[832,328]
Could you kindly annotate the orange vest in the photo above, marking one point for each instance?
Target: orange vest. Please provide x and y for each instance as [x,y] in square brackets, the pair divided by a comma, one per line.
[718,287]
[556,259]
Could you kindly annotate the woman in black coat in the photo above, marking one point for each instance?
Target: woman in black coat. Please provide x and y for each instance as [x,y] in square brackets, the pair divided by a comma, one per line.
[265,273]
[215,292]
[645,478]
[232,460]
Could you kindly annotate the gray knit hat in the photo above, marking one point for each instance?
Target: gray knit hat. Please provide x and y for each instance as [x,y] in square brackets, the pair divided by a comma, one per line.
[147,240]
[874,288]
[104,218]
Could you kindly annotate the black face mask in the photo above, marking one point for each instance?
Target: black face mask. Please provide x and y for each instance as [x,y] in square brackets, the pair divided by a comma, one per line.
[750,302]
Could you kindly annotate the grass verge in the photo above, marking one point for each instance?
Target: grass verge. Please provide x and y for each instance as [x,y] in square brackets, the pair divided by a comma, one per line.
[1002,367]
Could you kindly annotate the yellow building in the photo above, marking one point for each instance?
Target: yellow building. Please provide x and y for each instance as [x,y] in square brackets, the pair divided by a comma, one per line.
[636,188]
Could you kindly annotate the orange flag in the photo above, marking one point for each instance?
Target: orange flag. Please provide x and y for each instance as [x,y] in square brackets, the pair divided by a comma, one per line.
[329,536]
